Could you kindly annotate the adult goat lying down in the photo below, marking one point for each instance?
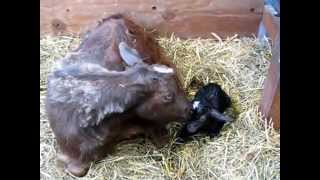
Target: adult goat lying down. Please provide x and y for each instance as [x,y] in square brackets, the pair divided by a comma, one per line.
[107,91]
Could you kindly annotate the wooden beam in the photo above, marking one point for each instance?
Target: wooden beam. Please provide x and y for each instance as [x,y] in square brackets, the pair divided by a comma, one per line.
[271,23]
[185,18]
[270,103]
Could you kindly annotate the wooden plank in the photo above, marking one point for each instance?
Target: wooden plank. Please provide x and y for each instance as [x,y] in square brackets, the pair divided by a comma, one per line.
[275,108]
[271,23]
[46,18]
[202,25]
[185,18]
[216,6]
[270,103]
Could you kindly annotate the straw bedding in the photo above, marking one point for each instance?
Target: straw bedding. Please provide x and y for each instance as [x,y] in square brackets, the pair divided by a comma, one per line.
[248,148]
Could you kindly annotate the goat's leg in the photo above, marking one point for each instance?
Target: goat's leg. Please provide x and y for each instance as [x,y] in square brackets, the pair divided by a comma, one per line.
[159,136]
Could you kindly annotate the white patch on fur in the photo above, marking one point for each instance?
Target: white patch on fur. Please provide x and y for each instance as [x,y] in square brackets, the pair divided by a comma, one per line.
[196,104]
[84,94]
[87,110]
[110,108]
[100,117]
[56,66]
[163,69]
[91,68]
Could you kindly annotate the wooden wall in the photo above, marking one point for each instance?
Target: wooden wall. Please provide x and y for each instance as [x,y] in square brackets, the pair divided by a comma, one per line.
[270,102]
[186,18]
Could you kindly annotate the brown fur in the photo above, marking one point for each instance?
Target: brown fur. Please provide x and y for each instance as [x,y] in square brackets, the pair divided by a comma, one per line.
[118,27]
[146,112]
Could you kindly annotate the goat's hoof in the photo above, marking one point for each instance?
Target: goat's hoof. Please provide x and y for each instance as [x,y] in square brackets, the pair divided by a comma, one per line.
[63,158]
[78,169]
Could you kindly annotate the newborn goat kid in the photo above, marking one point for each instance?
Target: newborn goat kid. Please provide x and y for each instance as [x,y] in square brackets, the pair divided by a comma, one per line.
[207,113]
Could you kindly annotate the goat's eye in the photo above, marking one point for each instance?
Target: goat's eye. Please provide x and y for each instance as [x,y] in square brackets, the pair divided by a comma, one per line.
[130,32]
[154,79]
[168,98]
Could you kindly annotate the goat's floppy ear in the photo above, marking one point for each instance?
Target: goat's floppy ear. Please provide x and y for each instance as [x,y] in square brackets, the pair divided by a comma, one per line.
[129,55]
[194,126]
[219,116]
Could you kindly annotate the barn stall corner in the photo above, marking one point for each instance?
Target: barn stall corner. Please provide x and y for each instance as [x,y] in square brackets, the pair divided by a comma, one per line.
[234,44]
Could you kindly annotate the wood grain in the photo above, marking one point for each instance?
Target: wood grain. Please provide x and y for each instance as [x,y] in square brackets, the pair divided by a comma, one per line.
[270,103]
[185,18]
[272,24]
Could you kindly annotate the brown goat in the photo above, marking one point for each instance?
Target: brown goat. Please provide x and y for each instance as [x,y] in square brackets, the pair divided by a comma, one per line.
[112,88]
[101,43]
